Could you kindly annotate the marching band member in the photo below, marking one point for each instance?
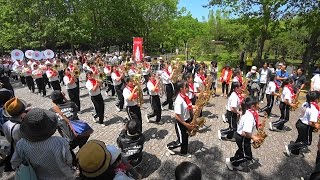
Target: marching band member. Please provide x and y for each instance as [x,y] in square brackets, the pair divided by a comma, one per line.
[53,77]
[107,70]
[166,79]
[37,75]
[225,79]
[27,73]
[153,87]
[270,93]
[146,73]
[286,101]
[244,135]
[60,68]
[93,86]
[117,77]
[71,86]
[93,69]
[233,112]
[200,82]
[18,67]
[43,67]
[306,123]
[132,71]
[73,67]
[183,111]
[130,95]
[192,88]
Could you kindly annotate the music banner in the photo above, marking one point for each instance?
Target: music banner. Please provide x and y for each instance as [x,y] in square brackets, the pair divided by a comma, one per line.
[137,49]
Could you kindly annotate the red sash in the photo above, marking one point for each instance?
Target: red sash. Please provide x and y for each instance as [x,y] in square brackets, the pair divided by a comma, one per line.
[135,95]
[166,70]
[293,95]
[317,107]
[240,96]
[191,86]
[117,73]
[93,82]
[256,117]
[69,76]
[187,100]
[154,82]
[203,79]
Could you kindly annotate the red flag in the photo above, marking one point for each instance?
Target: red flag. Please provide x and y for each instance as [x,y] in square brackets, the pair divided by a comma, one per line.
[137,49]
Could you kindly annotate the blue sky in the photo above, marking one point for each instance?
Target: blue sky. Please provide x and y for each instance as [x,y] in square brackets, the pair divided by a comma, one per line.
[195,7]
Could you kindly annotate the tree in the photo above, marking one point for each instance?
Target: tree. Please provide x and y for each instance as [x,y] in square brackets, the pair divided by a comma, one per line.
[260,15]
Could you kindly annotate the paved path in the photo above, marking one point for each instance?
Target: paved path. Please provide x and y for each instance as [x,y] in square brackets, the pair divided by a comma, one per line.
[208,152]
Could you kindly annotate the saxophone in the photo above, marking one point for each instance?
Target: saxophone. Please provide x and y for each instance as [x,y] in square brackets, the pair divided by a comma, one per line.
[198,122]
[208,90]
[177,75]
[295,102]
[137,81]
[261,133]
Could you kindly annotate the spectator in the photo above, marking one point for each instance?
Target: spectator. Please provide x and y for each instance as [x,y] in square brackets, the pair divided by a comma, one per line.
[315,83]
[47,154]
[265,75]
[225,78]
[122,169]
[5,95]
[188,171]
[131,141]
[281,75]
[299,80]
[94,161]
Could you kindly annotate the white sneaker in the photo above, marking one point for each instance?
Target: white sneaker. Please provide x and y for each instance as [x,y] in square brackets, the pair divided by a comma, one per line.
[161,108]
[287,150]
[118,109]
[219,134]
[224,118]
[147,119]
[261,101]
[229,165]
[186,155]
[271,126]
[170,151]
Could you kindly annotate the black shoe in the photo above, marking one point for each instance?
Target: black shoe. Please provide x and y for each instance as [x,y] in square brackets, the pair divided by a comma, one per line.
[228,139]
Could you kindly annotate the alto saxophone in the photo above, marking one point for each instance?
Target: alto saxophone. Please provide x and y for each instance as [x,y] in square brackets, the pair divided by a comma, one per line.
[198,122]
[295,102]
[177,75]
[261,133]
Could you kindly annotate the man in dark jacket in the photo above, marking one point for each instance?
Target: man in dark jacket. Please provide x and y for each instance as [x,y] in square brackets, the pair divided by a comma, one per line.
[131,141]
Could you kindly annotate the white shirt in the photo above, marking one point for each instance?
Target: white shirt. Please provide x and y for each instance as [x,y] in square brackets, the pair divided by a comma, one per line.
[225,75]
[181,108]
[286,94]
[107,71]
[89,86]
[199,82]
[115,82]
[165,78]
[150,86]
[263,76]
[246,123]
[17,67]
[37,74]
[67,81]
[26,71]
[233,101]
[126,93]
[131,72]
[271,87]
[191,92]
[316,82]
[309,114]
[51,77]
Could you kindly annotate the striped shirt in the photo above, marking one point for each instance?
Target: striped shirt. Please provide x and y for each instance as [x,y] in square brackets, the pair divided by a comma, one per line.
[50,159]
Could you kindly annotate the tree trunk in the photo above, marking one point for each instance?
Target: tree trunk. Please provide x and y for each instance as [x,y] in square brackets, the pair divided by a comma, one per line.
[309,51]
